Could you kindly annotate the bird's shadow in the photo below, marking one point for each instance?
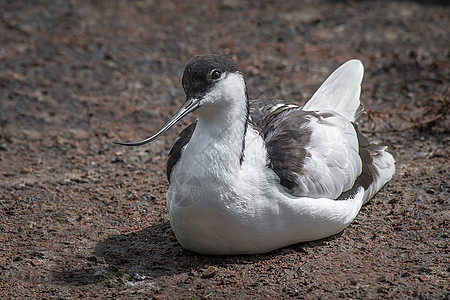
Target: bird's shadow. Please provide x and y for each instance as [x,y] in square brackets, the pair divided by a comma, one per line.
[154,252]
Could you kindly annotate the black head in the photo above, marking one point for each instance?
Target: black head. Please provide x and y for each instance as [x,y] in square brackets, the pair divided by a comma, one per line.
[200,76]
[202,72]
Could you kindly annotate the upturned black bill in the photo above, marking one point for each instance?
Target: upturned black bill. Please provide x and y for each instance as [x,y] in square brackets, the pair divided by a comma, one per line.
[189,106]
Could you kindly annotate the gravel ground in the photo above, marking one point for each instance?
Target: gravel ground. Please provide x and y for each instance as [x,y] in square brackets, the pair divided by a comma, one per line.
[83,218]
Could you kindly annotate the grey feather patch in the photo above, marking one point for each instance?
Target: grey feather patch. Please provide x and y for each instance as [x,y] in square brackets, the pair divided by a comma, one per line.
[283,128]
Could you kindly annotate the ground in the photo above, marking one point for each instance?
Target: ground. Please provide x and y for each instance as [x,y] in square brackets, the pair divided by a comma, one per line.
[81,217]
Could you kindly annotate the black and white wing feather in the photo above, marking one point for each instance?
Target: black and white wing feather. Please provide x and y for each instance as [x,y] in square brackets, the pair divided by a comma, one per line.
[317,150]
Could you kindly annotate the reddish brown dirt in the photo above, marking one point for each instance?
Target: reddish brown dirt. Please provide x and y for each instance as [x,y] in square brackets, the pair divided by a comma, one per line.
[83,218]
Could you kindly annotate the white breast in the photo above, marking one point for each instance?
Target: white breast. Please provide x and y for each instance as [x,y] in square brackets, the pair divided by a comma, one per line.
[249,212]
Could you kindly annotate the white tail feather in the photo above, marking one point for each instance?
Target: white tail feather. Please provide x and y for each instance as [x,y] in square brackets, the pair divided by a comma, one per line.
[340,92]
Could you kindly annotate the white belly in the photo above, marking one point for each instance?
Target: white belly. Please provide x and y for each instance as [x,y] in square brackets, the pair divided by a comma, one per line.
[256,225]
[246,210]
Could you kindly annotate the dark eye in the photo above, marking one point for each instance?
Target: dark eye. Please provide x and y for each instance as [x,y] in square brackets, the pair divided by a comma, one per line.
[215,74]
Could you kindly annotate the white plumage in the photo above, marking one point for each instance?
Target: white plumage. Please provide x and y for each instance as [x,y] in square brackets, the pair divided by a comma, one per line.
[240,184]
[340,92]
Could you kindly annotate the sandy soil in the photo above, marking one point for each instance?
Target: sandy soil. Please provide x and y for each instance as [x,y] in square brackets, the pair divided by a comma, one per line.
[83,218]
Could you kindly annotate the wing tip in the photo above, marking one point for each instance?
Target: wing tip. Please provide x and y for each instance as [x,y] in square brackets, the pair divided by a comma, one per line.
[357,67]
[355,62]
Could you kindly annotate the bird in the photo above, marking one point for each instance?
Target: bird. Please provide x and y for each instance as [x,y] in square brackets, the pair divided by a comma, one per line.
[250,176]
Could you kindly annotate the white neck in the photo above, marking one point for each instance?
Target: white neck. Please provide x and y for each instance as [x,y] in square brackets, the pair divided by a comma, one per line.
[217,143]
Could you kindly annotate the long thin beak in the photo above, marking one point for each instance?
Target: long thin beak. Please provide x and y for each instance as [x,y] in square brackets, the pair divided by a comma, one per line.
[189,106]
